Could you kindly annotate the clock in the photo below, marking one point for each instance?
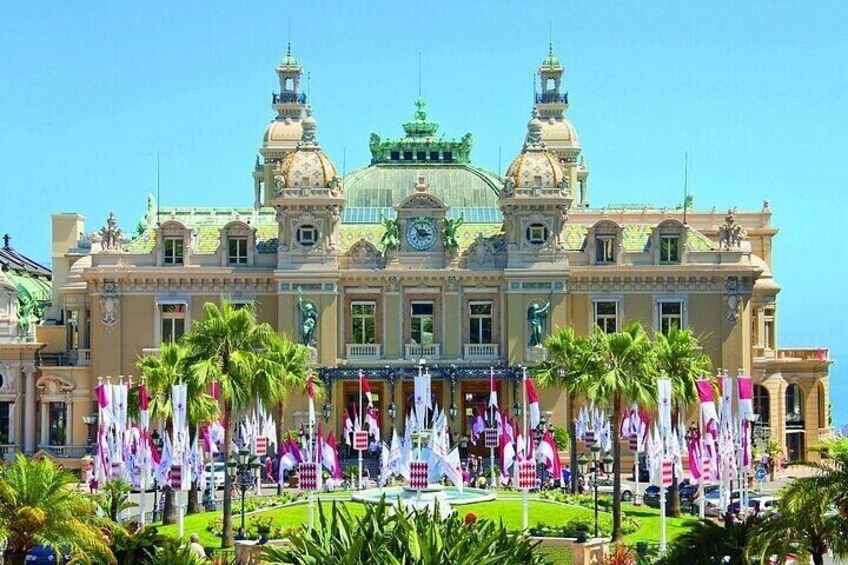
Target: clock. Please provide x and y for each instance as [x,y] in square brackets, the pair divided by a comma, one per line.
[421,234]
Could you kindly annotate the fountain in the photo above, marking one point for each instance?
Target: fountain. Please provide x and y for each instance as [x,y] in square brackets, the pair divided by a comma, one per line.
[446,496]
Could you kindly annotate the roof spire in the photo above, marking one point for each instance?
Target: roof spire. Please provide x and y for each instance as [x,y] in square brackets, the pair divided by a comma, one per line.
[419,74]
[6,239]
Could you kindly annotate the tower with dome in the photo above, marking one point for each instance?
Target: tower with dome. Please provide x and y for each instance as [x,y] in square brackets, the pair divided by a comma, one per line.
[421,254]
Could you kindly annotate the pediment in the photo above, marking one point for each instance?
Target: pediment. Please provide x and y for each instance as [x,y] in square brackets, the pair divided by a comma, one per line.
[421,202]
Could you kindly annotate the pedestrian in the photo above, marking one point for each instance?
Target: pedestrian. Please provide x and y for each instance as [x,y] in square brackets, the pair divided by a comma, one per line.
[566,477]
[196,548]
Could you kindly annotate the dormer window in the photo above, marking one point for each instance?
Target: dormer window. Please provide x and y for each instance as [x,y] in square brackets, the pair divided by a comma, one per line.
[434,155]
[536,234]
[605,249]
[448,157]
[173,251]
[407,155]
[237,250]
[537,181]
[669,248]
[395,156]
[421,156]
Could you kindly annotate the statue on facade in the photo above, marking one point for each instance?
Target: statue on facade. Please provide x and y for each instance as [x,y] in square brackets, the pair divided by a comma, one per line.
[27,313]
[537,315]
[731,234]
[111,235]
[508,187]
[449,234]
[390,239]
[308,319]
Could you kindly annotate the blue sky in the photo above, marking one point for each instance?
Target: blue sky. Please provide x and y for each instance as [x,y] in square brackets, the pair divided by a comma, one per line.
[755,92]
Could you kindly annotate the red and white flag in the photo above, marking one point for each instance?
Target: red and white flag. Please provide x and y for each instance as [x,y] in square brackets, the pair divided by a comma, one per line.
[493,390]
[548,454]
[331,457]
[532,404]
[366,388]
[310,392]
[348,427]
[372,422]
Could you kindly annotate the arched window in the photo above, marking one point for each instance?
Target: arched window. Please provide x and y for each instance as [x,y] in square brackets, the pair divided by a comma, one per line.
[762,407]
[794,404]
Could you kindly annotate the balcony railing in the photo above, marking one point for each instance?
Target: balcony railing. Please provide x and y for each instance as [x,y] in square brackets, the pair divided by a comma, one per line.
[480,351]
[548,97]
[64,451]
[8,450]
[804,353]
[72,358]
[825,433]
[288,97]
[363,350]
[427,351]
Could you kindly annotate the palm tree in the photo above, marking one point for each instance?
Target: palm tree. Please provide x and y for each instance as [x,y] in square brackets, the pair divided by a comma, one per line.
[39,505]
[806,524]
[227,346]
[707,542]
[283,366]
[679,357]
[114,498]
[162,372]
[566,367]
[619,367]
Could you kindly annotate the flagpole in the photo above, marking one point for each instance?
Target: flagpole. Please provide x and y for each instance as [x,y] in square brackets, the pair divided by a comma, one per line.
[318,471]
[492,420]
[361,422]
[664,409]
[525,503]
[142,503]
[702,498]
[181,494]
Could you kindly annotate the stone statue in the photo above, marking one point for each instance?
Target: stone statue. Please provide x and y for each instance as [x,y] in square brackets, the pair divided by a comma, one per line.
[390,240]
[537,315]
[509,186]
[27,309]
[449,235]
[731,234]
[112,236]
[308,319]
[335,185]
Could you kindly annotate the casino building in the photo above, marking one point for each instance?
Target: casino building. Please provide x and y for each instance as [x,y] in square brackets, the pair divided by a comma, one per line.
[420,254]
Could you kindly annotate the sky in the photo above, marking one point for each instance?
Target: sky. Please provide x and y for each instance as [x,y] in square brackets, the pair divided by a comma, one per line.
[756,93]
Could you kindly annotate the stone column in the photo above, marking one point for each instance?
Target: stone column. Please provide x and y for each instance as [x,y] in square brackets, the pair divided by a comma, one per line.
[45,424]
[69,421]
[29,409]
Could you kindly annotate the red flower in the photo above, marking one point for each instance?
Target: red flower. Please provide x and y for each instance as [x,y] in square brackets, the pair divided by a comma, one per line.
[470,519]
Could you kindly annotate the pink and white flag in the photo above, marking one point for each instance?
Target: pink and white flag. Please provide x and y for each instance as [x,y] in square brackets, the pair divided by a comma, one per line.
[331,457]
[547,453]
[372,422]
[493,390]
[532,404]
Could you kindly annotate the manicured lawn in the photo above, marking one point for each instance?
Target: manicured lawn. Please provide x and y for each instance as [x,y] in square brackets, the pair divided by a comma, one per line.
[506,509]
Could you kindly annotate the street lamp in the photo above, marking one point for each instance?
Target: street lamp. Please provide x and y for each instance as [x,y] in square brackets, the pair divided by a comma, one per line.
[452,411]
[241,467]
[327,411]
[596,448]
[90,421]
[452,378]
[158,442]
[392,377]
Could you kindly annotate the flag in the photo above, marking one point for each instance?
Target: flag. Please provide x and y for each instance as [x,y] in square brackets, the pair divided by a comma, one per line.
[366,388]
[286,462]
[372,422]
[394,453]
[348,428]
[532,404]
[294,450]
[406,449]
[664,404]
[507,455]
[548,453]
[478,425]
[331,457]
[423,401]
[310,392]
[493,390]
[695,456]
[385,470]
[453,468]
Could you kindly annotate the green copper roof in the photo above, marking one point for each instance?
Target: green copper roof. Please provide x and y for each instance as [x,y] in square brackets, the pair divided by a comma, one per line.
[350,234]
[421,144]
[288,60]
[551,60]
[385,185]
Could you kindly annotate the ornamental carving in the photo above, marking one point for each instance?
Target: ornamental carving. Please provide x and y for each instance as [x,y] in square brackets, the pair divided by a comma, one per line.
[731,234]
[111,235]
[732,300]
[110,304]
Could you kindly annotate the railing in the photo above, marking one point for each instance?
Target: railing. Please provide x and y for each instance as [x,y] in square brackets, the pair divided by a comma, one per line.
[804,353]
[363,350]
[73,358]
[427,351]
[151,351]
[547,97]
[825,433]
[64,451]
[288,97]
[480,351]
[8,449]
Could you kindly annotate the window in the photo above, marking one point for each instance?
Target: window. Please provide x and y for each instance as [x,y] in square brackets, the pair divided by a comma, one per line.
[671,315]
[422,323]
[768,328]
[307,235]
[173,322]
[434,155]
[480,314]
[407,155]
[57,422]
[421,156]
[536,234]
[605,249]
[794,404]
[395,156]
[237,250]
[448,157]
[5,421]
[363,322]
[173,250]
[606,315]
[669,249]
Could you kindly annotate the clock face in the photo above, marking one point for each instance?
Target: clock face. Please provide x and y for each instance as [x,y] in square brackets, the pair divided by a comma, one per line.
[421,234]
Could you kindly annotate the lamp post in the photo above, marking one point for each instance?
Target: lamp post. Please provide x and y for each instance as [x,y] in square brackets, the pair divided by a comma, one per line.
[90,421]
[392,377]
[596,448]
[157,440]
[327,408]
[242,466]
[452,379]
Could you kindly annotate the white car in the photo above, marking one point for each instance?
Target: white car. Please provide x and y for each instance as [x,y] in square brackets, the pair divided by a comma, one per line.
[763,504]
[712,502]
[628,489]
[218,471]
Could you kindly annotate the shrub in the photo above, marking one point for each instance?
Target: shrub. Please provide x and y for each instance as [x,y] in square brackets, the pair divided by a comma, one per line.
[385,536]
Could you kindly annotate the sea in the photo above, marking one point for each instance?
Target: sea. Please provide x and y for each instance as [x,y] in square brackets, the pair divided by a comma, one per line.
[839,392]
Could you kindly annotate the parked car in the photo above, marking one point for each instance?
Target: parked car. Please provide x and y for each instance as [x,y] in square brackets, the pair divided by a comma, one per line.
[217,470]
[760,505]
[712,504]
[628,489]
[688,493]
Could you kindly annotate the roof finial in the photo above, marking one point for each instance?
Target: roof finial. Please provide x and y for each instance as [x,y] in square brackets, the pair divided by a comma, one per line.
[419,74]
[6,239]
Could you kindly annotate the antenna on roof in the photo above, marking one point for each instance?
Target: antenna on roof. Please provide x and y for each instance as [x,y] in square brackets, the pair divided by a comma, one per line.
[499,160]
[685,184]
[157,189]
[344,162]
[309,88]
[419,74]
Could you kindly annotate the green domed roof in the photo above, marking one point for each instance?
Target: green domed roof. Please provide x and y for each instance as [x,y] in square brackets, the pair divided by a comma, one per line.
[551,60]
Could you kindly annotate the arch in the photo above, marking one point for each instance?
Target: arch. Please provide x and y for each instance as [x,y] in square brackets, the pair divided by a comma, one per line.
[606,225]
[762,404]
[363,252]
[670,223]
[172,225]
[823,407]
[794,401]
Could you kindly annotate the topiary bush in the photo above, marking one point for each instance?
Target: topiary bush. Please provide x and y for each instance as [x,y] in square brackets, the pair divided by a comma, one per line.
[384,535]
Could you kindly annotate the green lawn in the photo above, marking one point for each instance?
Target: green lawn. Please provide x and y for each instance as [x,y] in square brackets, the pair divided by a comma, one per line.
[506,509]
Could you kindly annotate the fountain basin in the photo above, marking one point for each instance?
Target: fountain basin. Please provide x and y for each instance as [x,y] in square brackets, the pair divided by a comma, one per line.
[446,497]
